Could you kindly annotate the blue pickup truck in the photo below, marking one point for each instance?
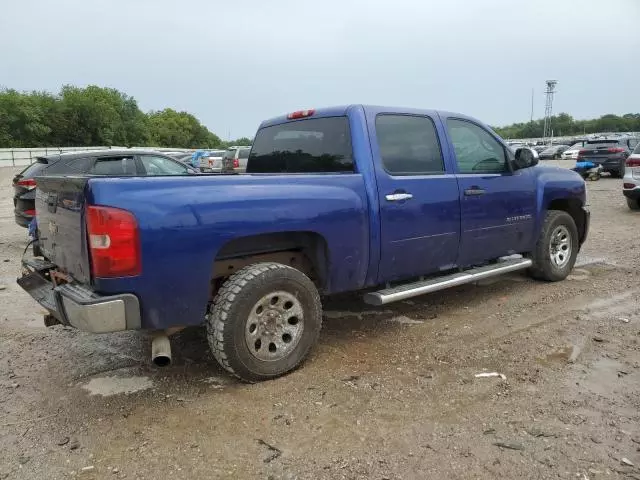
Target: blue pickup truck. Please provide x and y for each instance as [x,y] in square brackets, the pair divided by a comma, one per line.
[393,202]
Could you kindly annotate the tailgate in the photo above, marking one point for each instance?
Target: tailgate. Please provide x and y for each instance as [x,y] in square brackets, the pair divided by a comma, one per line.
[61,227]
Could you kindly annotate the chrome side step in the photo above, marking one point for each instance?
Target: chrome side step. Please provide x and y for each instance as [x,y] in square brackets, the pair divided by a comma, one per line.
[421,287]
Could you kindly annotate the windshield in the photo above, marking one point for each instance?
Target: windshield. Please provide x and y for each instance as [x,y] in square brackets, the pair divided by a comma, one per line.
[318,145]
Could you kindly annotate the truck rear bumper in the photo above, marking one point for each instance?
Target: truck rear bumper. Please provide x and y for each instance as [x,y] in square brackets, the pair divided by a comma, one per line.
[76,305]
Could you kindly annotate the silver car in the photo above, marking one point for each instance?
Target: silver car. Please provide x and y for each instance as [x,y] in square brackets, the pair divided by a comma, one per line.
[235,159]
[631,179]
[212,162]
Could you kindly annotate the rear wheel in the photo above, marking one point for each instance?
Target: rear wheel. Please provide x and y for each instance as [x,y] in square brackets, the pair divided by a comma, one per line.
[264,321]
[633,203]
[557,247]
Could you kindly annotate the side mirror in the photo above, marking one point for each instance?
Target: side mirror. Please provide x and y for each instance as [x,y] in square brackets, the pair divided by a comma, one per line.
[526,157]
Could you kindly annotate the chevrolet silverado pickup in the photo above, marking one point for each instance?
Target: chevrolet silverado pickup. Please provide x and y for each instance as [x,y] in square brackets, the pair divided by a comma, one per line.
[393,202]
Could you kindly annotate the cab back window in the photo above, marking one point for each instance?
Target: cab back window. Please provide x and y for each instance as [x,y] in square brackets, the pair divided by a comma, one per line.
[315,145]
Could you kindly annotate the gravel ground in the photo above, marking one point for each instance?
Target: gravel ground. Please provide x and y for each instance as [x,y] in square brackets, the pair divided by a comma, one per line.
[387,394]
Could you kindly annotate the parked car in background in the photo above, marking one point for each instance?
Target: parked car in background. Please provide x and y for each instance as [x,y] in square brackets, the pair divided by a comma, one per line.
[631,180]
[235,159]
[118,163]
[571,153]
[611,153]
[539,148]
[212,162]
[553,152]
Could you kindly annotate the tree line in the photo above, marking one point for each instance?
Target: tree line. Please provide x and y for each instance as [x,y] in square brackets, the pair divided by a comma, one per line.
[80,117]
[564,124]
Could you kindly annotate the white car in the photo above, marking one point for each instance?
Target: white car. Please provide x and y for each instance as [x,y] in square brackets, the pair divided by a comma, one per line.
[572,152]
[631,180]
[212,162]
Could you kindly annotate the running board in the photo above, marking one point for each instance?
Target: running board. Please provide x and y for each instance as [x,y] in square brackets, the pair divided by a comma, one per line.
[421,287]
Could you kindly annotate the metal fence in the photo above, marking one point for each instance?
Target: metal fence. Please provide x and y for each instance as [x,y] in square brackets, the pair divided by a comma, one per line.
[14,157]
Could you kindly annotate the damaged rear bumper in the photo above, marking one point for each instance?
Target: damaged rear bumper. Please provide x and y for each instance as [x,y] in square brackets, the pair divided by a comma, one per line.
[77,306]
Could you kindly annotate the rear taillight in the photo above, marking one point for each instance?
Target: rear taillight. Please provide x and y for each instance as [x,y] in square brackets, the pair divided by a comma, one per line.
[615,150]
[31,212]
[28,183]
[633,162]
[114,242]
[581,153]
[236,163]
[628,185]
[210,163]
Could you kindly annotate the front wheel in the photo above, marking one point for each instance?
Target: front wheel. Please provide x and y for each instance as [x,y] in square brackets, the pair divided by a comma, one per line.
[264,321]
[633,203]
[557,247]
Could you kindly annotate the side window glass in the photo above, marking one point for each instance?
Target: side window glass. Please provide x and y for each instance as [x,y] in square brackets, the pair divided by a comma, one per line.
[162,166]
[409,145]
[477,151]
[117,166]
[70,166]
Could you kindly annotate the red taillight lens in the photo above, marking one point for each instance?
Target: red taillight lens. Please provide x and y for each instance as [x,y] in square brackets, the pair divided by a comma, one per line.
[210,163]
[628,185]
[581,153]
[27,183]
[633,162]
[31,212]
[236,163]
[615,150]
[301,114]
[114,242]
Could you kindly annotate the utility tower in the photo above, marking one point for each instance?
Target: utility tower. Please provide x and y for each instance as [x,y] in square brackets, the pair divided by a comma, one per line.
[548,108]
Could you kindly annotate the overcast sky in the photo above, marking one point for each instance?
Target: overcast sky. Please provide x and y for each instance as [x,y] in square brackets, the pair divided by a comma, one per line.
[235,63]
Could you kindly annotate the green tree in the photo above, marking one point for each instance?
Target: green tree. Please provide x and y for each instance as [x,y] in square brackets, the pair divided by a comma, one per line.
[179,129]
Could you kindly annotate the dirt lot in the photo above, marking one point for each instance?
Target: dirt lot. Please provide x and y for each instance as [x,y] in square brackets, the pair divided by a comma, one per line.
[388,394]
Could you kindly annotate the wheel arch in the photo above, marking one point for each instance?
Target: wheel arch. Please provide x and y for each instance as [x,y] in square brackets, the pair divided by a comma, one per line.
[573,206]
[305,250]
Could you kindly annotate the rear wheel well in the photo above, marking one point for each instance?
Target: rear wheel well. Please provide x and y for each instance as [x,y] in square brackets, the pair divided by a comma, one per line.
[573,207]
[305,251]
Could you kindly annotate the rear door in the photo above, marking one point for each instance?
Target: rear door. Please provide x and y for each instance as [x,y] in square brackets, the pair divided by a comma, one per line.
[419,204]
[497,204]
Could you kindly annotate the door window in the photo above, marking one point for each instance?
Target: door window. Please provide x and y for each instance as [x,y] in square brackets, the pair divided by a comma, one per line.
[409,145]
[162,166]
[477,151]
[116,166]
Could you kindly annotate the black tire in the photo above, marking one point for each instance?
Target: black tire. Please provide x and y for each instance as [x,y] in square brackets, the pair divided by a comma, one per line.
[633,203]
[543,267]
[232,312]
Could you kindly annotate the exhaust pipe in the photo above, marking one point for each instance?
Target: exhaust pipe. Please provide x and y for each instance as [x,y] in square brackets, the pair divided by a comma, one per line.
[161,350]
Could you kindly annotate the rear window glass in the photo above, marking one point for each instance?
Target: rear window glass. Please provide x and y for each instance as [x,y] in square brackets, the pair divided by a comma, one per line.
[637,149]
[316,145]
[231,153]
[34,169]
[596,144]
[244,153]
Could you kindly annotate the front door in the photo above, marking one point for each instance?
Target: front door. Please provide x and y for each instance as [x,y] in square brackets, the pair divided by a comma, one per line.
[497,204]
[419,203]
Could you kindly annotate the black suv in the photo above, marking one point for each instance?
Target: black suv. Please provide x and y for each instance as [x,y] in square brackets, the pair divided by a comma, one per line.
[611,153]
[115,163]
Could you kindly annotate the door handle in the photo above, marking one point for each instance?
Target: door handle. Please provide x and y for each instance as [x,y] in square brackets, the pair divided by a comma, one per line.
[474,191]
[398,197]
